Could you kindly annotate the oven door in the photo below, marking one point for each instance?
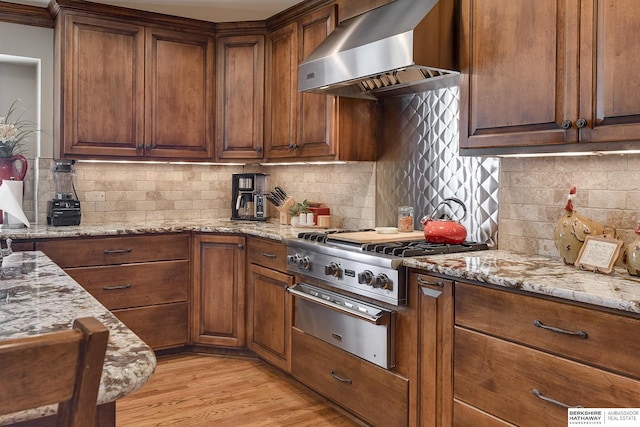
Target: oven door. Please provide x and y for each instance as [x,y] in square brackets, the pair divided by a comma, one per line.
[360,328]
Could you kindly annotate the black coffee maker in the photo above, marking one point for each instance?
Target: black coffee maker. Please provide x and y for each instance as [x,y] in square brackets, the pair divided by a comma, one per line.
[248,196]
[64,208]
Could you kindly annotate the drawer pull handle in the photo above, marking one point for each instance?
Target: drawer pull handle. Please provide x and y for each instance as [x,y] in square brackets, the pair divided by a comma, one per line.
[339,378]
[115,288]
[117,251]
[439,283]
[265,254]
[539,395]
[539,324]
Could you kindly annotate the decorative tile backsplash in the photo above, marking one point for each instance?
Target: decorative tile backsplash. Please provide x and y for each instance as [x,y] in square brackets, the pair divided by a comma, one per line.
[533,193]
[120,192]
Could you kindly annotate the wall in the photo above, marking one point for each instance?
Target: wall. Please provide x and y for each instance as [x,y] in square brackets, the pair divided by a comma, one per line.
[35,44]
[533,193]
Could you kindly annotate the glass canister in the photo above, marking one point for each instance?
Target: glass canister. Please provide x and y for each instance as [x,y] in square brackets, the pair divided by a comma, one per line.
[405,219]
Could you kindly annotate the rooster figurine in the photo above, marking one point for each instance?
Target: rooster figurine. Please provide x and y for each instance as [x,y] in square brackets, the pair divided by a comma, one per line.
[572,229]
[632,255]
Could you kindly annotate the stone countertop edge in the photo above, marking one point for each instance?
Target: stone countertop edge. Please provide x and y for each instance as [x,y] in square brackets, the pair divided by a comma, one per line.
[538,274]
[267,230]
[46,299]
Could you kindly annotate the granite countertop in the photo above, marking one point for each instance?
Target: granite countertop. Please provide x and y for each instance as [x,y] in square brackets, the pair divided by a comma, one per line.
[538,274]
[533,273]
[37,296]
[269,230]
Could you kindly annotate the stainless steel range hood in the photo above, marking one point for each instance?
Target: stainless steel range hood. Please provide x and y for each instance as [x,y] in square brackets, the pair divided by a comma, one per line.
[406,46]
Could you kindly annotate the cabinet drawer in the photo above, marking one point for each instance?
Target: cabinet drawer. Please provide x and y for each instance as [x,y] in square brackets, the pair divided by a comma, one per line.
[465,415]
[160,326]
[611,340]
[267,253]
[320,365]
[500,377]
[135,285]
[116,250]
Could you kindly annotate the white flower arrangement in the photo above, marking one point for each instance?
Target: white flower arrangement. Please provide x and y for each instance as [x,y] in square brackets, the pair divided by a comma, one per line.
[13,132]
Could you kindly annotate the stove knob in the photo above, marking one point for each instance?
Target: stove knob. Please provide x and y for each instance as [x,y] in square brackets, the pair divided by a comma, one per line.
[304,262]
[333,269]
[382,281]
[366,277]
[292,259]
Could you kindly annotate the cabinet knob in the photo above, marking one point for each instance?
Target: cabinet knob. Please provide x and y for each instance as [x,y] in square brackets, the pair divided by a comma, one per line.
[140,147]
[566,124]
[293,146]
[259,149]
[240,246]
[581,123]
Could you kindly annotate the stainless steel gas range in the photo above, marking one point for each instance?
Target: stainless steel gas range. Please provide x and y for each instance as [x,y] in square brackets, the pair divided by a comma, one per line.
[349,285]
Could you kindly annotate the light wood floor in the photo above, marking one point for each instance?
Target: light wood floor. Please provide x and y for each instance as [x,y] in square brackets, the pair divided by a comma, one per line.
[210,390]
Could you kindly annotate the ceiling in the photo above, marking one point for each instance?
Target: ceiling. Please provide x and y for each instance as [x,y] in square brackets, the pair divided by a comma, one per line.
[206,10]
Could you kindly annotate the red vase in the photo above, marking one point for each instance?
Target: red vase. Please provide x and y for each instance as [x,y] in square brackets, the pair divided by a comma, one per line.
[8,169]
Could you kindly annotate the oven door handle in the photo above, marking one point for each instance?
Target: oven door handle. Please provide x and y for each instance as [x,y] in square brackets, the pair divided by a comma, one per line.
[381,319]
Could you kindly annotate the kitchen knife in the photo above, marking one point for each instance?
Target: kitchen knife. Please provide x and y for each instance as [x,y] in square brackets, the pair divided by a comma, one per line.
[277,198]
[281,193]
[274,201]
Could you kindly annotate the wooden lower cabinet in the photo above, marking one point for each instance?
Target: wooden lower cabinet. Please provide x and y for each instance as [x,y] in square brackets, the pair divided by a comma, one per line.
[515,382]
[378,396]
[143,279]
[467,416]
[160,326]
[434,346]
[269,315]
[218,298]
[524,359]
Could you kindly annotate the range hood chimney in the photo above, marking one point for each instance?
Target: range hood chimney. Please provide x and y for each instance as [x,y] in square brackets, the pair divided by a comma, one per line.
[406,46]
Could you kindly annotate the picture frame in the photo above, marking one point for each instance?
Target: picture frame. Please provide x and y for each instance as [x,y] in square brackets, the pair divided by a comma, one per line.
[599,254]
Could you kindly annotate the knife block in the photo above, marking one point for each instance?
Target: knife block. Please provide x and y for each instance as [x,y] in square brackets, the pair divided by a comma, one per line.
[285,218]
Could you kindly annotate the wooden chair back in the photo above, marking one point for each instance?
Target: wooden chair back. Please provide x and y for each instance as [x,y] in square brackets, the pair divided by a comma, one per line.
[59,367]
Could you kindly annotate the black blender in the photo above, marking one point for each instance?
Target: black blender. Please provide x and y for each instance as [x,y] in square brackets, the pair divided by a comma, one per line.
[64,208]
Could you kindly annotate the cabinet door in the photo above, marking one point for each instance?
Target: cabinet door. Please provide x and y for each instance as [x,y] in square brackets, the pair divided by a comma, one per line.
[435,350]
[518,85]
[282,91]
[179,98]
[269,319]
[101,93]
[240,97]
[317,112]
[609,72]
[217,316]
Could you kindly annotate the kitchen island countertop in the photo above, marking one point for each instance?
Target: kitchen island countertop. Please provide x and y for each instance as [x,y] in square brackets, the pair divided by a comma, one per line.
[538,274]
[37,296]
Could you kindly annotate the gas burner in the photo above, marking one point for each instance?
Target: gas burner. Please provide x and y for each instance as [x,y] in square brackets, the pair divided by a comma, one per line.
[373,270]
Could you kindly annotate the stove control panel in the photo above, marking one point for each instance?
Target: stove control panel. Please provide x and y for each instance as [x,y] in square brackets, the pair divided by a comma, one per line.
[381,283]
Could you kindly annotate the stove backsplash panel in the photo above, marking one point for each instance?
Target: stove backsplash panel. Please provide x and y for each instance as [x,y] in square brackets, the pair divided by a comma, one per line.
[419,164]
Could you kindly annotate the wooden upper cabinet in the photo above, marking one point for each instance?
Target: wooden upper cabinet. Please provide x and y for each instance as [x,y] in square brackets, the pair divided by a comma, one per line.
[307,126]
[101,89]
[131,90]
[349,8]
[548,72]
[317,121]
[281,115]
[609,71]
[518,81]
[179,98]
[240,97]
